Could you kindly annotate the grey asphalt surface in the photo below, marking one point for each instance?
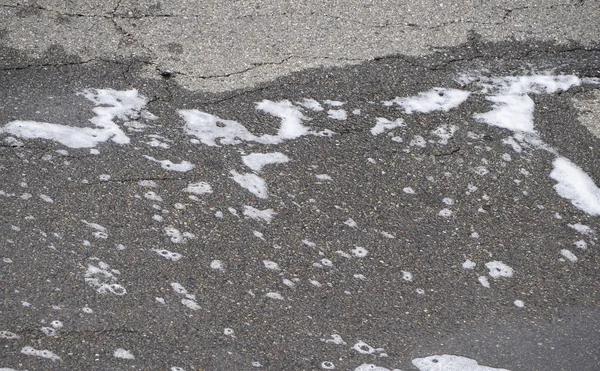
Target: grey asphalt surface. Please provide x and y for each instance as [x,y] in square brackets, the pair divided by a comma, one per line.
[123,46]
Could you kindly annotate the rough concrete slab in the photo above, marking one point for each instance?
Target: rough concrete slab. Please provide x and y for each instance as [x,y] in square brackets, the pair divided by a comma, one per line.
[211,46]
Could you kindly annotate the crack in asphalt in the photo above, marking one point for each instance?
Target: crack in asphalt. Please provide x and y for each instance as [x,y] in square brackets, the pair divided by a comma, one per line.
[129,37]
[61,64]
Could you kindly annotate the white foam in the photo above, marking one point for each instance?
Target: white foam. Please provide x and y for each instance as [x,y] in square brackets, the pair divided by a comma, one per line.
[568,255]
[315,283]
[364,348]
[256,161]
[337,114]
[122,353]
[326,263]
[271,265]
[96,226]
[351,223]
[519,303]
[110,105]
[387,234]
[178,237]
[513,108]
[326,365]
[335,339]
[512,112]
[40,353]
[448,201]
[209,129]
[445,213]
[445,132]
[8,335]
[190,304]
[228,331]
[334,103]
[480,170]
[418,141]
[382,125]
[147,183]
[575,185]
[359,252]
[173,256]
[103,279]
[448,362]
[288,283]
[152,196]
[408,190]
[178,288]
[309,243]
[199,188]
[274,295]
[291,120]
[323,177]
[260,215]
[581,228]
[498,269]
[46,198]
[217,265]
[344,254]
[581,244]
[311,104]
[372,367]
[189,300]
[468,264]
[407,276]
[252,182]
[532,84]
[48,331]
[436,99]
[484,281]
[183,166]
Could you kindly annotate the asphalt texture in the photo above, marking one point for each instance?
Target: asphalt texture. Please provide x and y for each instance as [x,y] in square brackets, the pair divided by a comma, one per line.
[220,46]
[442,309]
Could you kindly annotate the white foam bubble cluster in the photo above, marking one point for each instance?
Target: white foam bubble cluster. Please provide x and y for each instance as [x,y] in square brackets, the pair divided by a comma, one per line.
[448,362]
[40,353]
[103,279]
[436,99]
[110,105]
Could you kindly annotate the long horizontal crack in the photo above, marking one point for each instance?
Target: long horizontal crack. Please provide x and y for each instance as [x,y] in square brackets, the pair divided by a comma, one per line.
[42,65]
[63,64]
[168,73]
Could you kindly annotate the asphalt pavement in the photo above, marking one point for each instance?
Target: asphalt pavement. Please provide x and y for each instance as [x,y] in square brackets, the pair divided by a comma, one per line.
[323,185]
